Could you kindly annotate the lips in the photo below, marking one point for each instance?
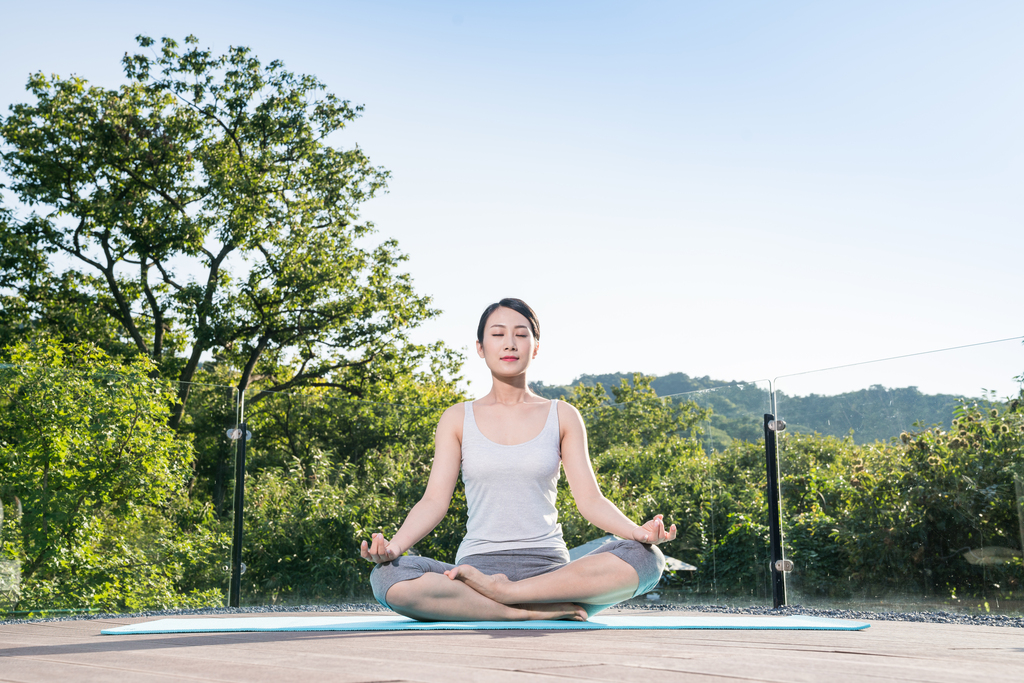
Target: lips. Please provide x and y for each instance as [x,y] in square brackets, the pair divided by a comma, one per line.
[509,358]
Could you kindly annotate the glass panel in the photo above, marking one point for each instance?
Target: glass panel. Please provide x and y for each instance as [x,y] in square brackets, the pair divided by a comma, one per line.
[735,561]
[97,489]
[898,482]
[210,418]
[698,459]
[324,471]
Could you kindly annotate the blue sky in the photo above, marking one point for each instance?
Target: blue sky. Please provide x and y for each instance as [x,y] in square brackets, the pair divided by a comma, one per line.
[742,189]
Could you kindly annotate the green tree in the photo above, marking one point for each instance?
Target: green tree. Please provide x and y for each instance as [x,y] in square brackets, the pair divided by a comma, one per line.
[203,209]
[637,417]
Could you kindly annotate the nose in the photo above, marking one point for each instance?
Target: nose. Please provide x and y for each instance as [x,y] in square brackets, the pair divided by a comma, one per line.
[510,342]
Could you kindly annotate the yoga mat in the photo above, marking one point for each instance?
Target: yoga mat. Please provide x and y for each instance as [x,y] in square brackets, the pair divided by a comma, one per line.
[395,623]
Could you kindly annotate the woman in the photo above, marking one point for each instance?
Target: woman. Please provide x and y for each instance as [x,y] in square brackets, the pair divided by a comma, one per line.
[513,564]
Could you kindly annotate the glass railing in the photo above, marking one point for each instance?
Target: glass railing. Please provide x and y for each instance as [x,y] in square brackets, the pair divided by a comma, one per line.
[729,548]
[901,482]
[325,470]
[106,507]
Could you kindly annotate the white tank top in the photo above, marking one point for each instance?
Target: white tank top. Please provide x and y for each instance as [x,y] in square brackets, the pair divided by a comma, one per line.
[511,490]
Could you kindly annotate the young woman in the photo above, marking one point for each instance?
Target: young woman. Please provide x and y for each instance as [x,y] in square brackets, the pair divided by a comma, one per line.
[513,564]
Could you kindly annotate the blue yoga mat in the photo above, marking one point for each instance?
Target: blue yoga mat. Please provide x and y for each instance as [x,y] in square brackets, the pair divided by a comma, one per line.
[395,623]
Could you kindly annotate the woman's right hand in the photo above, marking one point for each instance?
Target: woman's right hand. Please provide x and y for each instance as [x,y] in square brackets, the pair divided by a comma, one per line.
[379,549]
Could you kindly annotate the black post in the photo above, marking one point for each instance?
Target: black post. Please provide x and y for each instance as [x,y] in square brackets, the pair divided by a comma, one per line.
[234,592]
[774,513]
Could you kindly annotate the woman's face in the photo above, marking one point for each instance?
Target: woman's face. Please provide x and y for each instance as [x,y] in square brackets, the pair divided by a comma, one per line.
[509,344]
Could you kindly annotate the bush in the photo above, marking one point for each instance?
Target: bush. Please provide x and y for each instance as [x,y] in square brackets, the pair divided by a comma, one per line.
[99,477]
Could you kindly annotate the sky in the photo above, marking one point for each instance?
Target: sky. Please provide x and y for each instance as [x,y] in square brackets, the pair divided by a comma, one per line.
[743,190]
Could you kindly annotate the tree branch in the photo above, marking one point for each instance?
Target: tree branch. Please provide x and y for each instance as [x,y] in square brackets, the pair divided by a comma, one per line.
[202,326]
[123,308]
[299,379]
[250,364]
[165,276]
[158,314]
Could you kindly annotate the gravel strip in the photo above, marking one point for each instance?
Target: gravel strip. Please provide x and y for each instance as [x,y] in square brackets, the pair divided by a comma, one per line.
[925,617]
[862,615]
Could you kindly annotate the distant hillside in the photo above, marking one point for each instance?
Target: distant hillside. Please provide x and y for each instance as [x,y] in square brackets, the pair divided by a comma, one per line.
[872,414]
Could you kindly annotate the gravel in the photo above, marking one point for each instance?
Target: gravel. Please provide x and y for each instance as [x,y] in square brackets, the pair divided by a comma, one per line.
[862,615]
[924,617]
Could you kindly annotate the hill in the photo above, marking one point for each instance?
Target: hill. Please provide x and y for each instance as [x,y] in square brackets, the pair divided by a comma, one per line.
[874,413]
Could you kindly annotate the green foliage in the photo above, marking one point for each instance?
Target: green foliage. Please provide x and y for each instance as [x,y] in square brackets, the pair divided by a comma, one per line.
[638,417]
[304,524]
[891,518]
[197,163]
[193,224]
[300,423]
[86,453]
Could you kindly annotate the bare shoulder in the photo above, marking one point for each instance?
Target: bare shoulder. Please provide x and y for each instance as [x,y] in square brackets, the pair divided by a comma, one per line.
[569,418]
[451,421]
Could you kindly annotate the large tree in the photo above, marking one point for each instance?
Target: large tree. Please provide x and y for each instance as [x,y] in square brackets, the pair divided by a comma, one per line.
[203,209]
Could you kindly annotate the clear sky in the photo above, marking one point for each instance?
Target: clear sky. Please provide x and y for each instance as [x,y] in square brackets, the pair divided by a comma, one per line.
[735,189]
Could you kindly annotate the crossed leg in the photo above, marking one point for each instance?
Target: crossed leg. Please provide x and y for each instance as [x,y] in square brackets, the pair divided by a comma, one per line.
[435,597]
[597,579]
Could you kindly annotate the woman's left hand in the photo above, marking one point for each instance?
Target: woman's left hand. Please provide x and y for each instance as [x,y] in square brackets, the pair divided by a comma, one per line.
[654,532]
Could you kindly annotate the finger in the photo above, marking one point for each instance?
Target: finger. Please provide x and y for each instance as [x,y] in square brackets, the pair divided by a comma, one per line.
[363,551]
[672,533]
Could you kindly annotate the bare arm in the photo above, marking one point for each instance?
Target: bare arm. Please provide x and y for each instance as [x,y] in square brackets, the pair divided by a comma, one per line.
[591,503]
[433,506]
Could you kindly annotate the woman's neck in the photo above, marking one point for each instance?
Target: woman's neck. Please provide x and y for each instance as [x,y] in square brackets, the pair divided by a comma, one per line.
[510,391]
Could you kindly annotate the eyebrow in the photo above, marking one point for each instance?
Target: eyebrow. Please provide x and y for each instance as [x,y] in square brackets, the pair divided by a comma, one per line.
[525,327]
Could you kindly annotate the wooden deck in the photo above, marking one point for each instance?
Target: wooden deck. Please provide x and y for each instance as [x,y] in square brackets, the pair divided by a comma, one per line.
[888,651]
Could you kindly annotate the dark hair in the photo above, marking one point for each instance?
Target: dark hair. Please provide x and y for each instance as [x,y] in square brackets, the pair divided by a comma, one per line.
[517,305]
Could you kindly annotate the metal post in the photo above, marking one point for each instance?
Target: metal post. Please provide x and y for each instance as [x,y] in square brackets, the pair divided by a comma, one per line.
[1018,485]
[779,565]
[234,591]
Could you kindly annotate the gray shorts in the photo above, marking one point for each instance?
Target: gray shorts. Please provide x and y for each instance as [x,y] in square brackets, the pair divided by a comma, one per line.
[646,560]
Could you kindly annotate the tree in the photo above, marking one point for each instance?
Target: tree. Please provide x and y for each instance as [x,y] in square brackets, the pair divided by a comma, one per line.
[158,194]
[637,418]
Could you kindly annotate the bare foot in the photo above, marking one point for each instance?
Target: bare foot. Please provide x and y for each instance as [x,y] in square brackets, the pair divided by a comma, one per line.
[552,610]
[497,587]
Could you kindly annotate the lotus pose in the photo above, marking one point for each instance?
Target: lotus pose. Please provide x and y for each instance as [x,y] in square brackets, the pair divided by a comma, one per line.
[512,564]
